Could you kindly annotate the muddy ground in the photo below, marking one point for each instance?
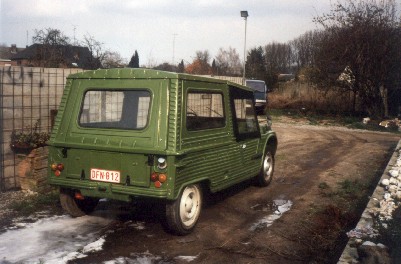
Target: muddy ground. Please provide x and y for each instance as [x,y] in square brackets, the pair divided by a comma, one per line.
[321,175]
[322,178]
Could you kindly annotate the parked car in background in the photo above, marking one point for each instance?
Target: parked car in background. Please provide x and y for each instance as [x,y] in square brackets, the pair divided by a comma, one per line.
[260,92]
[129,134]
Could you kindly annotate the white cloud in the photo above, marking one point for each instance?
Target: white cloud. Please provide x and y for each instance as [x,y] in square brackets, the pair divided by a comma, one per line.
[148,26]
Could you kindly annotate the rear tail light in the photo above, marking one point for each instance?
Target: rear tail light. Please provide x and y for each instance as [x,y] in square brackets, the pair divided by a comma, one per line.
[158,184]
[162,177]
[57,168]
[158,179]
[154,177]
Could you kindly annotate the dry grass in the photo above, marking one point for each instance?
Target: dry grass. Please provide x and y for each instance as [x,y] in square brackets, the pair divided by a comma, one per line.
[299,95]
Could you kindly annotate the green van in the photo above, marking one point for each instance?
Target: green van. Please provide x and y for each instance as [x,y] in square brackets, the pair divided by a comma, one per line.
[127,134]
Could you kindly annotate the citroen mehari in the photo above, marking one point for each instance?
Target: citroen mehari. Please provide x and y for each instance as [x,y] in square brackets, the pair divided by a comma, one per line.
[129,134]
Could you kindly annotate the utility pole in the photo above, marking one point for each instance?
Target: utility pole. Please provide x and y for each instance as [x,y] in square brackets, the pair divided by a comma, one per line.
[245,15]
[173,63]
[75,41]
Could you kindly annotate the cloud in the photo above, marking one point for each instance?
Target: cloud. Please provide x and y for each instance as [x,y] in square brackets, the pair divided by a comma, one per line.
[148,26]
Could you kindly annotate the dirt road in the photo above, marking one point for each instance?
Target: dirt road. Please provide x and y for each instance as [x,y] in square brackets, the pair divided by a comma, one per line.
[319,187]
[312,163]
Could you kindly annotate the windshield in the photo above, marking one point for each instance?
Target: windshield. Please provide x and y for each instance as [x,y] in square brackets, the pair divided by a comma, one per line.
[260,95]
[115,109]
[256,85]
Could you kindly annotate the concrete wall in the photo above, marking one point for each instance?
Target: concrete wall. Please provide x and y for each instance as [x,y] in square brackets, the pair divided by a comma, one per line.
[27,94]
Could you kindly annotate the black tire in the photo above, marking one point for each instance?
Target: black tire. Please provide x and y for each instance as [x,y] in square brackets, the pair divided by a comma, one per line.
[182,214]
[75,207]
[266,172]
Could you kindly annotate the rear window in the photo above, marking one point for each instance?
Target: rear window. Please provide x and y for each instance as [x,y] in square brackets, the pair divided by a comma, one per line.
[115,109]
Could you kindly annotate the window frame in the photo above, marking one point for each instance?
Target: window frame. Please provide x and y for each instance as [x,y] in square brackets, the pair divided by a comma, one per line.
[115,90]
[237,93]
[205,91]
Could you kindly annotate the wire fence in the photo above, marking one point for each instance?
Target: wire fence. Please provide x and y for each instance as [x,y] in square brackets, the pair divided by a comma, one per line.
[29,97]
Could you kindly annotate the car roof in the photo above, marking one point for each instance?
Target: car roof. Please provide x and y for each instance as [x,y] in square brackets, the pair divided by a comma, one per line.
[141,73]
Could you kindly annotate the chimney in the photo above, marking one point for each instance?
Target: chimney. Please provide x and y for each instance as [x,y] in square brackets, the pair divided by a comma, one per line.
[13,48]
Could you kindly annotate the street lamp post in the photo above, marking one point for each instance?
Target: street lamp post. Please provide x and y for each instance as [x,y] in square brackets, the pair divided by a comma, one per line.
[244,14]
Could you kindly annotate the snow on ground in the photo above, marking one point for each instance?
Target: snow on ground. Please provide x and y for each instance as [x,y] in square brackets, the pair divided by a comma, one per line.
[58,239]
[52,240]
[186,258]
[136,258]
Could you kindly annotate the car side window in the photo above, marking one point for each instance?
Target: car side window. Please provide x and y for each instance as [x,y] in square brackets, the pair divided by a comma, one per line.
[205,110]
[244,116]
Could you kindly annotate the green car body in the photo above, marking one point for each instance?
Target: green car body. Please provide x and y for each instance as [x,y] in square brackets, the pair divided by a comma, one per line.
[129,133]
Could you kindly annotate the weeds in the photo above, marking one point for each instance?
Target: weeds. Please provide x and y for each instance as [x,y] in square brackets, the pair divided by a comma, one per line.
[390,235]
[323,186]
[34,203]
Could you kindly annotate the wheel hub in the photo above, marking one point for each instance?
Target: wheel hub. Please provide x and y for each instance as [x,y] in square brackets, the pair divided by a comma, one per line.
[189,203]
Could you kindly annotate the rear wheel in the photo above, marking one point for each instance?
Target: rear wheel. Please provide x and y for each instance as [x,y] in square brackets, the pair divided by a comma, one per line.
[266,172]
[76,207]
[183,213]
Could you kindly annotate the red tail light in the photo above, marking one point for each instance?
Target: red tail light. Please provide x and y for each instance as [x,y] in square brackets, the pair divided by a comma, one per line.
[158,179]
[57,168]
[158,184]
[154,177]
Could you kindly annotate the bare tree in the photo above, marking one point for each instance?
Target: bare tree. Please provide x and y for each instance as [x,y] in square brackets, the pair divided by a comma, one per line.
[113,59]
[49,52]
[364,38]
[96,49]
[278,57]
[304,48]
[50,36]
[228,62]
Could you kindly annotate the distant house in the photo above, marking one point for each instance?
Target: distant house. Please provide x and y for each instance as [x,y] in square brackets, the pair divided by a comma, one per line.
[55,56]
[6,53]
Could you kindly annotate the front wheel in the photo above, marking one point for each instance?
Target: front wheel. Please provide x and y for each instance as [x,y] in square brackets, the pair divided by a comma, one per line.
[75,207]
[266,172]
[183,213]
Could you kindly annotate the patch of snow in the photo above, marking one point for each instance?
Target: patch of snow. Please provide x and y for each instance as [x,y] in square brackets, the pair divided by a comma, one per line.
[282,207]
[187,258]
[136,258]
[94,246]
[55,239]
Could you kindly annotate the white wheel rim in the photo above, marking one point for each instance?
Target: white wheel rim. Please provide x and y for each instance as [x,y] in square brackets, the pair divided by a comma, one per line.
[190,205]
[268,166]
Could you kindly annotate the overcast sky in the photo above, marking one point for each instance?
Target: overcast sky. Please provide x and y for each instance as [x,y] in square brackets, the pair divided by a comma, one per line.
[149,26]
